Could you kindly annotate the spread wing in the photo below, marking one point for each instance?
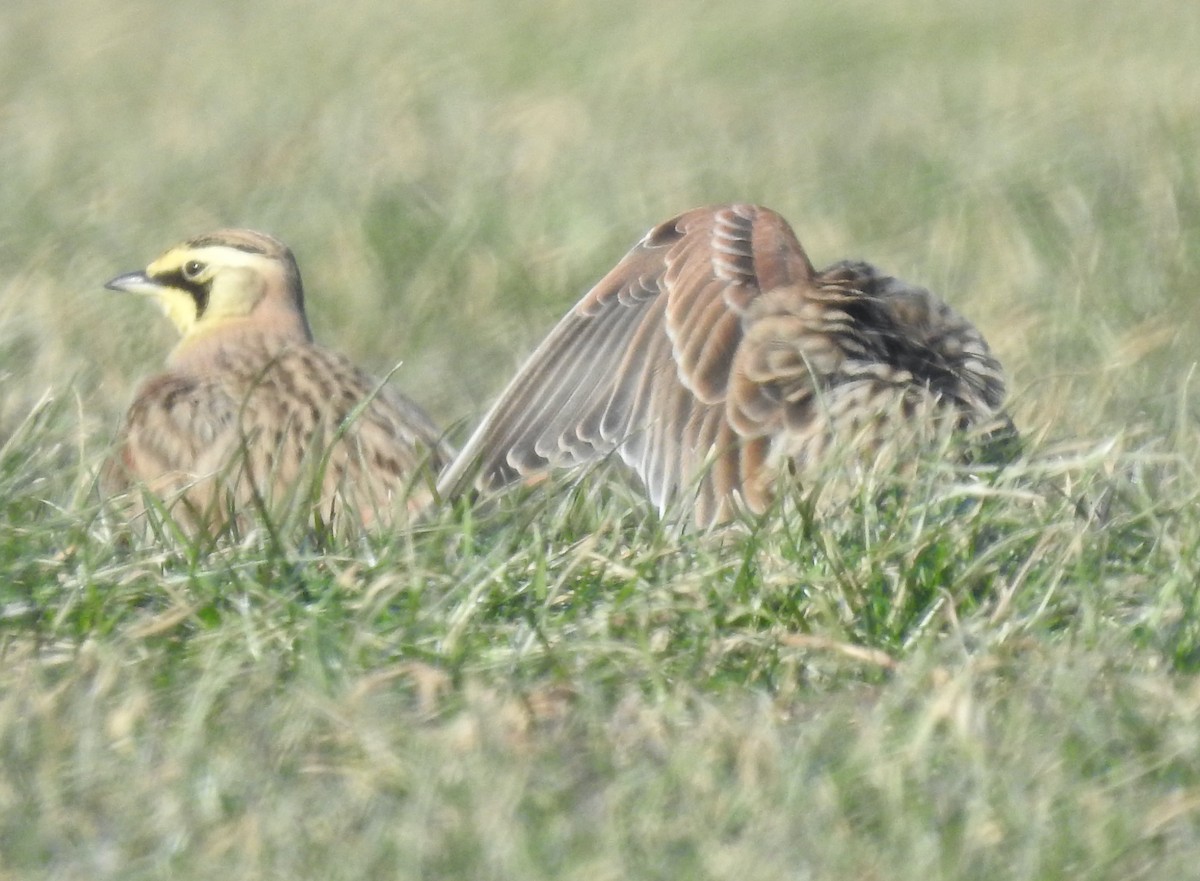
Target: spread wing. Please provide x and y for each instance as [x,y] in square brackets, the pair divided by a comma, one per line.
[712,353]
[643,365]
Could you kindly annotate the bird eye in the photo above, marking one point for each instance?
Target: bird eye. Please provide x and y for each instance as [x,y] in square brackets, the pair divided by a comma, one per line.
[192,269]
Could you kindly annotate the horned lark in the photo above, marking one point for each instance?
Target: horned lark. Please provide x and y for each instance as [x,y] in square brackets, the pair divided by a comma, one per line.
[250,411]
[713,356]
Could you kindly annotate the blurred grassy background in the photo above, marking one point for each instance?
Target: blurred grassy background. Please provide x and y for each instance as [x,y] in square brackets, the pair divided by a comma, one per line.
[452,178]
[990,685]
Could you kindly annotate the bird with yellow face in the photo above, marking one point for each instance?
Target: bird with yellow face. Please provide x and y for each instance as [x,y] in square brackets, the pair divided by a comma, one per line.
[250,414]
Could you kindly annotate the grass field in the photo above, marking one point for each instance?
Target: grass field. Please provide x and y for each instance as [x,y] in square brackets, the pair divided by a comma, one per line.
[945,679]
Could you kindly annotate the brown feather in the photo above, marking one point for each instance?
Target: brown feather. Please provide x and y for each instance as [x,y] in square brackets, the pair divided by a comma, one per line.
[714,352]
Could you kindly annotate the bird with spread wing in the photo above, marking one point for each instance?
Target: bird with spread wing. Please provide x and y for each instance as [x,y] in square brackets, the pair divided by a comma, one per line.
[714,357]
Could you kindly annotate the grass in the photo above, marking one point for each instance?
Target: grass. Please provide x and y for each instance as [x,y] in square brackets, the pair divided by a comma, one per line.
[949,678]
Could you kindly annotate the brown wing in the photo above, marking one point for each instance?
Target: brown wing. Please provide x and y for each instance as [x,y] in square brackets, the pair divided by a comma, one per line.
[175,422]
[713,352]
[310,413]
[642,365]
[261,426]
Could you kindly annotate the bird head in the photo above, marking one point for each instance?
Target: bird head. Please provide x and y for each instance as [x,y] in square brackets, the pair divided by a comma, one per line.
[232,278]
